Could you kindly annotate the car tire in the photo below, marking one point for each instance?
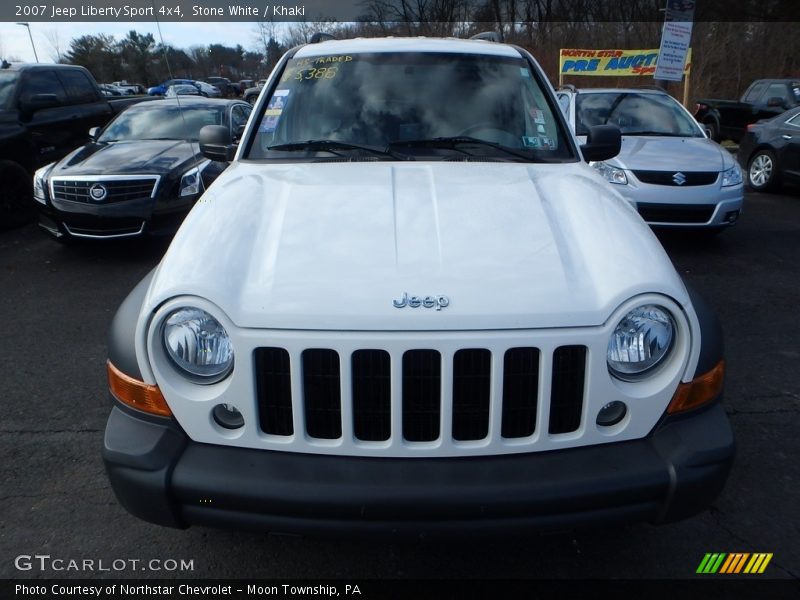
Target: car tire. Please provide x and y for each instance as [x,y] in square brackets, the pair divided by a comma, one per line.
[16,195]
[712,128]
[762,171]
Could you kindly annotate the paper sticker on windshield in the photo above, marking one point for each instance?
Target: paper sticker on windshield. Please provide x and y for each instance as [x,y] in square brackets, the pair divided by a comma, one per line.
[546,143]
[524,72]
[537,115]
[276,103]
[530,141]
[540,128]
[269,124]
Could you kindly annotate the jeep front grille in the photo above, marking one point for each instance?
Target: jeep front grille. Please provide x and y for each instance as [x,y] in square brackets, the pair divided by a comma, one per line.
[425,414]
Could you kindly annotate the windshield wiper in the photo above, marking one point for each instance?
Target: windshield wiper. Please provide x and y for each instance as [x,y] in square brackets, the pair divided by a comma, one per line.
[656,133]
[332,146]
[455,143]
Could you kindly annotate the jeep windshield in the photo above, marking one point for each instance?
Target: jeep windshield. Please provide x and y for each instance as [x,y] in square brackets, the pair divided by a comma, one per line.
[409,106]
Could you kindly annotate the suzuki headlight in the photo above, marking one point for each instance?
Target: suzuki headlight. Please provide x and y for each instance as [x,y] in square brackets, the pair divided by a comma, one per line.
[198,345]
[39,183]
[640,341]
[732,176]
[191,182]
[612,174]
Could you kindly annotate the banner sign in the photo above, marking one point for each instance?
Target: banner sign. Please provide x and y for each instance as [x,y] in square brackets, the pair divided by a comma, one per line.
[675,39]
[614,63]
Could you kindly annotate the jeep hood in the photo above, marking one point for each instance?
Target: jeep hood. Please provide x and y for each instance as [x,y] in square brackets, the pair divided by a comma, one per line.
[331,245]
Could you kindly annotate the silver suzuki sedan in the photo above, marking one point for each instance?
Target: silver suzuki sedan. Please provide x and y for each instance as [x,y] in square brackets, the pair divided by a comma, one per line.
[668,168]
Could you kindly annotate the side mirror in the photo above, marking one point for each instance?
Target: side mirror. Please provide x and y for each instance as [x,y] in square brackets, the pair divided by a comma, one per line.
[216,143]
[93,133]
[38,102]
[602,143]
[776,101]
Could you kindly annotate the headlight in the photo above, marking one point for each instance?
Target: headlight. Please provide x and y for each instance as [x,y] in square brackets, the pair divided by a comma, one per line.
[732,176]
[198,345]
[612,174]
[38,183]
[190,182]
[640,341]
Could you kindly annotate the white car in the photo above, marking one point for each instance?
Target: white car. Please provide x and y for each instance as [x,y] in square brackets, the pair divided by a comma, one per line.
[668,167]
[410,307]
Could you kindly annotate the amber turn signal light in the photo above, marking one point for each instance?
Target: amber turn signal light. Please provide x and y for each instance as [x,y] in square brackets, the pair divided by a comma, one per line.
[137,394]
[699,391]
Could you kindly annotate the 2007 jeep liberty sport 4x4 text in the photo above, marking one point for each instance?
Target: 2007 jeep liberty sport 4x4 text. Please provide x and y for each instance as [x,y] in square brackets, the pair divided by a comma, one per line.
[410,307]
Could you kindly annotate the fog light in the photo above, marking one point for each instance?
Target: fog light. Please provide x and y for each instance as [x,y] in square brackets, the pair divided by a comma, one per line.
[612,413]
[227,416]
[732,216]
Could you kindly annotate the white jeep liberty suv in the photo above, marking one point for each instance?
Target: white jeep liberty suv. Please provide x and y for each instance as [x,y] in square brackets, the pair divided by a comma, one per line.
[410,307]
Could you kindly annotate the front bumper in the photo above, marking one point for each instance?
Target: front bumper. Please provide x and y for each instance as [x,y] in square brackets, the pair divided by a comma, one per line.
[160,475]
[118,220]
[705,206]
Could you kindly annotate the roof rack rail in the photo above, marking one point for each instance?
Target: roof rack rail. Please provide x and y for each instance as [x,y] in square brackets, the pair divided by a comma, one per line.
[321,37]
[489,36]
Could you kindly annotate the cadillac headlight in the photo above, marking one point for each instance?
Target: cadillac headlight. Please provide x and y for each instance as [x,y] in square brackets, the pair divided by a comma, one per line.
[732,176]
[191,183]
[38,183]
[612,174]
[198,345]
[640,342]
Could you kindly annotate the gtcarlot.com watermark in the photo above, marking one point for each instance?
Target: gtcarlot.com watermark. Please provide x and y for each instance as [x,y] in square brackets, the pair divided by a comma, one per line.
[46,562]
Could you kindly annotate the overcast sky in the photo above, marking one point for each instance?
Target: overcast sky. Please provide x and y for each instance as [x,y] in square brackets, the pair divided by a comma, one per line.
[15,43]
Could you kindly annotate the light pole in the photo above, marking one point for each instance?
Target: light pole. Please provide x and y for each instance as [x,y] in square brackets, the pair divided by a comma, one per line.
[30,35]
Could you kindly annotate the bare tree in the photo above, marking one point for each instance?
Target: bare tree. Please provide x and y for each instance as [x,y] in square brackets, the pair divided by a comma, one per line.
[56,44]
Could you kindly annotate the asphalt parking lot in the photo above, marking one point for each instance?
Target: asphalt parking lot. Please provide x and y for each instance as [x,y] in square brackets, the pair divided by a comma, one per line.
[56,304]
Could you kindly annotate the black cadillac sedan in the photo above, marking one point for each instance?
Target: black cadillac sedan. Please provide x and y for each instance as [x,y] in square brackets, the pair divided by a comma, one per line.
[769,152]
[139,175]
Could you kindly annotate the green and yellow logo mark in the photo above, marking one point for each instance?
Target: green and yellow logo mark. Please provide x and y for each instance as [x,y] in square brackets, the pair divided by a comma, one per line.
[735,563]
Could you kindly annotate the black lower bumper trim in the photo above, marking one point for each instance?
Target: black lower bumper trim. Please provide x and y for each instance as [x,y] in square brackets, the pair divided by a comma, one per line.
[675,472]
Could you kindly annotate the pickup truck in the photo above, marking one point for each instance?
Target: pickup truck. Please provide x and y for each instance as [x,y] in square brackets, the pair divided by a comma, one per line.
[764,99]
[46,110]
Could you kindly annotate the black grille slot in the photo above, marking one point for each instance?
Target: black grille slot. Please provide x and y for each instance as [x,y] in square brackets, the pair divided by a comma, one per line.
[688,178]
[566,397]
[116,190]
[422,374]
[676,213]
[273,386]
[371,395]
[471,388]
[322,394]
[520,392]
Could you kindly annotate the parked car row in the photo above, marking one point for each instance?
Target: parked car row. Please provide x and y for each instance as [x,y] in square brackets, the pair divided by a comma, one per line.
[211,87]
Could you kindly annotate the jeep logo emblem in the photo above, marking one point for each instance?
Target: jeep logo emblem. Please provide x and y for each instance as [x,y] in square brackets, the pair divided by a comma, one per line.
[437,302]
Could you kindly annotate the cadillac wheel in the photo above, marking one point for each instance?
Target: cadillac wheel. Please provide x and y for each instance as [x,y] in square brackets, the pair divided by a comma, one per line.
[762,174]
